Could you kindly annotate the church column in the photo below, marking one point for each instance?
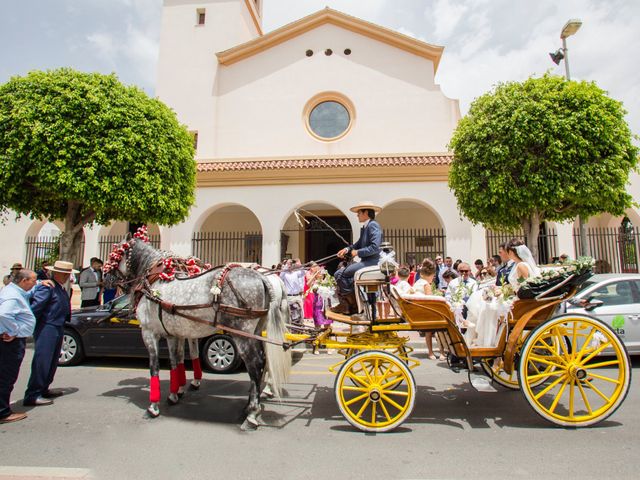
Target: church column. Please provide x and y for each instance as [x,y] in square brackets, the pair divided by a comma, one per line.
[565,239]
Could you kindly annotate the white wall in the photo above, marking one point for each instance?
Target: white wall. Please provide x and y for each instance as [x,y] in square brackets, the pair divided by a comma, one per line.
[398,108]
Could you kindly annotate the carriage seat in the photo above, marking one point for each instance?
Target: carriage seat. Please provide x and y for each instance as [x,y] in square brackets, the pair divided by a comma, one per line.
[369,273]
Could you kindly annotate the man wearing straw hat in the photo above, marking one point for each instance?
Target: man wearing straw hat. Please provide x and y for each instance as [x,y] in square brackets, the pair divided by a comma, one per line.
[367,248]
[51,307]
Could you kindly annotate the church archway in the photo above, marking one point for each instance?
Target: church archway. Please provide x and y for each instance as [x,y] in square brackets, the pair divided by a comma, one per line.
[228,233]
[315,238]
[414,230]
[42,242]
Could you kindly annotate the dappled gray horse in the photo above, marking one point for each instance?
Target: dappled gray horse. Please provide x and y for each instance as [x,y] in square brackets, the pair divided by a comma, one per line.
[239,298]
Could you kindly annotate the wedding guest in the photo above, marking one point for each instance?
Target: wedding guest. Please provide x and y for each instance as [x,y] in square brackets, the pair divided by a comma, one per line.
[479,264]
[43,274]
[426,286]
[91,283]
[52,308]
[464,281]
[15,268]
[16,324]
[403,286]
[310,279]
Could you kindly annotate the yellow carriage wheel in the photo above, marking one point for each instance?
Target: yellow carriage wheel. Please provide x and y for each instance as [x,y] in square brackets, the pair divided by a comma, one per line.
[375,391]
[590,373]
[495,370]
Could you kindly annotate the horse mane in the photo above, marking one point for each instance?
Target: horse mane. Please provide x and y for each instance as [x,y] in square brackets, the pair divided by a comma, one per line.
[142,256]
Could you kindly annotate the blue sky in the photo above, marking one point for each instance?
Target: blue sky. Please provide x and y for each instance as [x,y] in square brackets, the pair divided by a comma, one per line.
[486,41]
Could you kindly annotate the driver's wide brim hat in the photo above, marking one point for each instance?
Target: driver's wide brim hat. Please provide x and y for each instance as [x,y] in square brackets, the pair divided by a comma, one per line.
[62,267]
[366,206]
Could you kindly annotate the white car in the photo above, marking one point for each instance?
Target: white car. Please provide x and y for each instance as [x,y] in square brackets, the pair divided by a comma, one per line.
[613,298]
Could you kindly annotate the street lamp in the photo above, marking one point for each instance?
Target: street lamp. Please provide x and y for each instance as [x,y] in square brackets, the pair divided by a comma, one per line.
[571,27]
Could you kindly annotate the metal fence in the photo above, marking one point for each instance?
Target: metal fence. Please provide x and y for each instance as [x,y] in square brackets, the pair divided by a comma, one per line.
[219,248]
[615,249]
[414,245]
[47,248]
[105,244]
[547,242]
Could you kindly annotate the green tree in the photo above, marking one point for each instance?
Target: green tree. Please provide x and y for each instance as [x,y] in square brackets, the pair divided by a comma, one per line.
[543,149]
[83,147]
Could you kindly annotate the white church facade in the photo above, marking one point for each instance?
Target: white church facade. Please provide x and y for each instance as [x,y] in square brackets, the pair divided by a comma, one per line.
[317,115]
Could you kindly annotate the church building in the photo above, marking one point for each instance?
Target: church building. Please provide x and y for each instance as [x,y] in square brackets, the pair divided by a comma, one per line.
[313,117]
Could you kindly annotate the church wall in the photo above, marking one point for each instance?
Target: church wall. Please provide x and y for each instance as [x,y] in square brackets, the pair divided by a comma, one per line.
[398,108]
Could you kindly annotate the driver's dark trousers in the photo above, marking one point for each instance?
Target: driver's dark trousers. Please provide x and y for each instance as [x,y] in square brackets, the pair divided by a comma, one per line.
[345,280]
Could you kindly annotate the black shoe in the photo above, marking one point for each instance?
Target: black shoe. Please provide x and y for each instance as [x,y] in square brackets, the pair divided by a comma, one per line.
[38,402]
[53,394]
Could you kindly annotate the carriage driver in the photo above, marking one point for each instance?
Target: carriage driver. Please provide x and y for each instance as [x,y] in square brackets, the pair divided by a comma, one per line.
[367,248]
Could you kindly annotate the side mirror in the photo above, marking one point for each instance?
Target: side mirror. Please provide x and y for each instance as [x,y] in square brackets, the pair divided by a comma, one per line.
[593,304]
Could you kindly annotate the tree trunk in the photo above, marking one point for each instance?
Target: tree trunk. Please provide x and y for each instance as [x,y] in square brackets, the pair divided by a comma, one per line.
[531,227]
[71,239]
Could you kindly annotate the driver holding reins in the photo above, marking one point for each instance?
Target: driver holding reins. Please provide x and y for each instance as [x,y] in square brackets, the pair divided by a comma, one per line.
[367,248]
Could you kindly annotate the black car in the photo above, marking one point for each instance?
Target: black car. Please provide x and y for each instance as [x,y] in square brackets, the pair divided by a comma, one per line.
[111,330]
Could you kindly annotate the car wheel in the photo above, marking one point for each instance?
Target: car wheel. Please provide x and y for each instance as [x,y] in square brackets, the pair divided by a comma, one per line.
[71,352]
[220,354]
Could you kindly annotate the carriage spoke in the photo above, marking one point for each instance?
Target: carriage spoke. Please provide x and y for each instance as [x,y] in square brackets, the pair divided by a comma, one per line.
[395,392]
[584,398]
[595,352]
[355,378]
[563,347]
[366,372]
[391,383]
[571,397]
[354,389]
[606,379]
[385,411]
[392,402]
[558,396]
[373,412]
[363,408]
[552,385]
[545,375]
[604,364]
[585,346]
[356,399]
[597,390]
[536,358]
[554,354]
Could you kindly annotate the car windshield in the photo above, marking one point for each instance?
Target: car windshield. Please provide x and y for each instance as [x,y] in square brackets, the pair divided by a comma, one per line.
[121,302]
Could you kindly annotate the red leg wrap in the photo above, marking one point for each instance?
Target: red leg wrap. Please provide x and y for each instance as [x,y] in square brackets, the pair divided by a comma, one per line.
[182,375]
[197,369]
[154,394]
[174,383]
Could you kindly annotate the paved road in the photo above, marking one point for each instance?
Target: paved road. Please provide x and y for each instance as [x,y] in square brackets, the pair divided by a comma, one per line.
[454,432]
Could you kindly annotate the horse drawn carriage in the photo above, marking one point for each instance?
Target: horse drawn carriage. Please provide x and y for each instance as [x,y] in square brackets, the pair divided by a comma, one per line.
[573,370]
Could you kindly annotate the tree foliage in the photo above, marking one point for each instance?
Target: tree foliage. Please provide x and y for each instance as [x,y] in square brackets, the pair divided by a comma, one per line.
[83,147]
[543,149]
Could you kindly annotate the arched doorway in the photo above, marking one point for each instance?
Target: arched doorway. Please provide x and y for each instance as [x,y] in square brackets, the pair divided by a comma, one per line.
[314,235]
[229,233]
[415,231]
[42,242]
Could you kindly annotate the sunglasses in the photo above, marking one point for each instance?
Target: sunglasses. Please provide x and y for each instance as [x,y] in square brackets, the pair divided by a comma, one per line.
[464,271]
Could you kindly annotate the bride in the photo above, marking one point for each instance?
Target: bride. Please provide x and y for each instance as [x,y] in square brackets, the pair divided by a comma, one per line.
[486,313]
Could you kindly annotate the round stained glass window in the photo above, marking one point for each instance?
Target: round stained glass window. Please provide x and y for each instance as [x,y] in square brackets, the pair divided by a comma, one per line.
[329,119]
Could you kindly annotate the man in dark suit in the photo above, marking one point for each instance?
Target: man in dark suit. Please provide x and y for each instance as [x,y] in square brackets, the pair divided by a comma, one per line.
[367,248]
[51,307]
[502,274]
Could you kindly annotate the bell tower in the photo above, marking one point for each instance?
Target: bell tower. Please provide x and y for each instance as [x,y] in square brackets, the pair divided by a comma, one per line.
[191,34]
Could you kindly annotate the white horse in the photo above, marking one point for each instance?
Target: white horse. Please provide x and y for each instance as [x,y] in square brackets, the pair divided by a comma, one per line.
[240,299]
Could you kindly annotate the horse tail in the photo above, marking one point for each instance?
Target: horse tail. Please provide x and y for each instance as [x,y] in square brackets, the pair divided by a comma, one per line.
[278,360]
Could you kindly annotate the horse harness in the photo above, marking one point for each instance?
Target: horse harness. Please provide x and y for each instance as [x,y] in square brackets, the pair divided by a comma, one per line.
[153,275]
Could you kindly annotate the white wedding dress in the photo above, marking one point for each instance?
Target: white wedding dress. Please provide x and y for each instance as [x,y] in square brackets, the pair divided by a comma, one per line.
[486,314]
